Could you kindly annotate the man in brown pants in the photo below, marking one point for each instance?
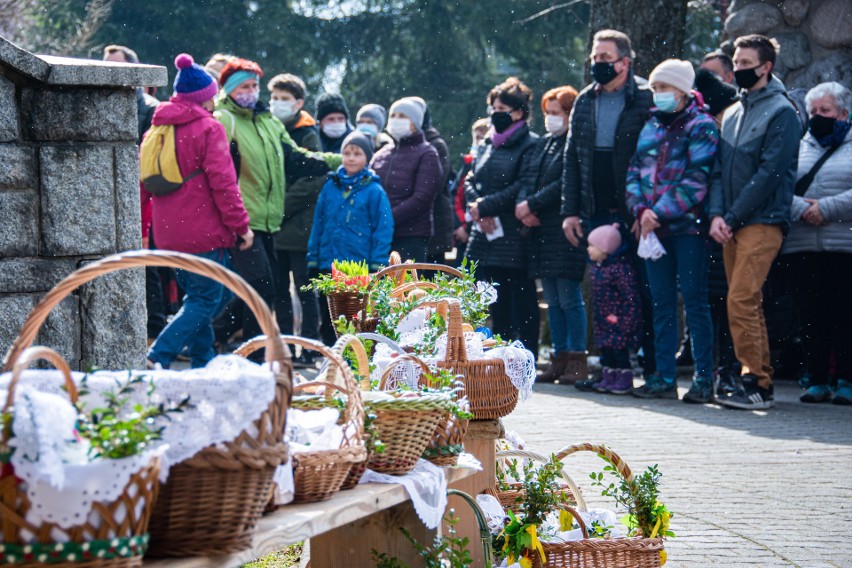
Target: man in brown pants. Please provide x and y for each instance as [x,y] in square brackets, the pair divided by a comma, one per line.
[750,199]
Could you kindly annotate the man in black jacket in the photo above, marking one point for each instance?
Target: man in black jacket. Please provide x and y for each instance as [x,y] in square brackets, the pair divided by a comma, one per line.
[605,124]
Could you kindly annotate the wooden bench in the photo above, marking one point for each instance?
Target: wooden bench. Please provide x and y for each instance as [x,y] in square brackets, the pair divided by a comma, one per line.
[345,529]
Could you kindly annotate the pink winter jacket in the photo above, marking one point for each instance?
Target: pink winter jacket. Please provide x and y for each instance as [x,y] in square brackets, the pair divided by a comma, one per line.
[207,212]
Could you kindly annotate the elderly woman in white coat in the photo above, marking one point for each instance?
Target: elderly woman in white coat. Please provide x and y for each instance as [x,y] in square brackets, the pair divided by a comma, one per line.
[818,250]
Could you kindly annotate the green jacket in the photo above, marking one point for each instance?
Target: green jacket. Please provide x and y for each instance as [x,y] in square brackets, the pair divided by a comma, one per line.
[256,139]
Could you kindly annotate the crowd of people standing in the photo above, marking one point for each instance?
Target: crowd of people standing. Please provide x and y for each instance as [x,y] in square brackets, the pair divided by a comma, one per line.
[679,184]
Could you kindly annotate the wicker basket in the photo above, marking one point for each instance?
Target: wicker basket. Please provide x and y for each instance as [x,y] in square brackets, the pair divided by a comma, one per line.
[511,498]
[486,384]
[633,552]
[346,304]
[212,501]
[318,475]
[124,520]
[448,439]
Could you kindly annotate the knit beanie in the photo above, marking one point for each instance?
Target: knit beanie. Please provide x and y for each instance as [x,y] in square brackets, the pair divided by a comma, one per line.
[717,94]
[192,82]
[238,71]
[679,74]
[361,140]
[376,113]
[411,108]
[606,238]
[329,103]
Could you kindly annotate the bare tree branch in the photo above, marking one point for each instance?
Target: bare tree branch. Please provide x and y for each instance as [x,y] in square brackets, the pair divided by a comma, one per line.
[549,10]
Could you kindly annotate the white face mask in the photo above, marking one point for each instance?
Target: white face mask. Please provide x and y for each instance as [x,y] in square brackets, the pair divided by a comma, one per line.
[334,129]
[554,124]
[283,110]
[399,128]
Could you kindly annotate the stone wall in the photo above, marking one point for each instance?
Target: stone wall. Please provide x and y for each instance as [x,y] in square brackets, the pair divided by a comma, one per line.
[69,194]
[815,37]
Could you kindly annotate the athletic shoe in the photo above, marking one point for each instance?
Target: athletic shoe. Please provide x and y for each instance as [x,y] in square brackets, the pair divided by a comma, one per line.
[750,396]
[843,394]
[657,387]
[701,391]
[817,393]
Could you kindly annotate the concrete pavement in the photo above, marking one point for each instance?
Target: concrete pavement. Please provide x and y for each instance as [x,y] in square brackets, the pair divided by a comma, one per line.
[763,488]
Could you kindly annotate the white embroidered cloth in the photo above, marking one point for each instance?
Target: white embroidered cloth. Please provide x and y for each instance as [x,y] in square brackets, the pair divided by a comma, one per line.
[650,247]
[226,397]
[426,484]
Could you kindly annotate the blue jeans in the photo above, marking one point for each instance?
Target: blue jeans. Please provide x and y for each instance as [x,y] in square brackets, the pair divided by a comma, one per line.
[684,263]
[566,313]
[192,327]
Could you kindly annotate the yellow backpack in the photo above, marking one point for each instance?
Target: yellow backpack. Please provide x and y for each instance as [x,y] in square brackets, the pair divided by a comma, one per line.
[158,164]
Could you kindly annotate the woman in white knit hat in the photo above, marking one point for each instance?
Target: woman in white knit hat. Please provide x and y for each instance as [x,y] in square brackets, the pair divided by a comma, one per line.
[667,186]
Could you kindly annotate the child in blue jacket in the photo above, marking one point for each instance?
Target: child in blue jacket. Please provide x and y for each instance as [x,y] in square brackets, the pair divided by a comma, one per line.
[353,219]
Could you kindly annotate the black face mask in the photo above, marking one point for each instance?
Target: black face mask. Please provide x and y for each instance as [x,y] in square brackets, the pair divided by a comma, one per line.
[501,121]
[746,78]
[821,126]
[603,72]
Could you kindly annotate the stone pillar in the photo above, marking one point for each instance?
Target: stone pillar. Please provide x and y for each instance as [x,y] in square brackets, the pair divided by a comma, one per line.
[69,194]
[815,37]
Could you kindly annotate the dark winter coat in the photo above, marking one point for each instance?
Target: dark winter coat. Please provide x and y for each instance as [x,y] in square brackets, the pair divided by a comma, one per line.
[304,183]
[755,170]
[495,183]
[550,253]
[615,292]
[145,107]
[411,174]
[577,193]
[442,212]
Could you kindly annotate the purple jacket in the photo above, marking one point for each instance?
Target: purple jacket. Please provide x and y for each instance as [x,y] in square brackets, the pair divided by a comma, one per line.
[207,212]
[411,175]
[615,293]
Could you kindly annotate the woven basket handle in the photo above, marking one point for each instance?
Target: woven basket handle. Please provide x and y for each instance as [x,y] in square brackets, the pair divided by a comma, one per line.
[381,339]
[329,386]
[403,289]
[134,259]
[450,309]
[603,452]
[575,490]
[362,360]
[398,271]
[337,367]
[30,356]
[577,518]
[401,359]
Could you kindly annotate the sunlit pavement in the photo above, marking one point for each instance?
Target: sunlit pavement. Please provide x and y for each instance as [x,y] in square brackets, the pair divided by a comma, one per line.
[768,488]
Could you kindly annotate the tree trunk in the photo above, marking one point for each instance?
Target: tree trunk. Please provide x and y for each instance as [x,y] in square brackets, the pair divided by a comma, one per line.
[655,27]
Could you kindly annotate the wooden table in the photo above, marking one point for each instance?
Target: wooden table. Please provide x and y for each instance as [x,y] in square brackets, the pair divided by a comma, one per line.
[343,530]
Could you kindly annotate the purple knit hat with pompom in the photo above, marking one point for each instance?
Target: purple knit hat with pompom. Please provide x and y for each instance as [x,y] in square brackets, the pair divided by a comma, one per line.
[193,83]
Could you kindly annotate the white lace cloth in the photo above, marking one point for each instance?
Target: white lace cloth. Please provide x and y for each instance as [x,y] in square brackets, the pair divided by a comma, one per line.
[226,397]
[426,484]
[60,481]
[650,247]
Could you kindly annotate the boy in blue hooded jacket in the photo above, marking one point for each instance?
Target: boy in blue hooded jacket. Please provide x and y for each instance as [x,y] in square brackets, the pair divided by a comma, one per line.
[353,219]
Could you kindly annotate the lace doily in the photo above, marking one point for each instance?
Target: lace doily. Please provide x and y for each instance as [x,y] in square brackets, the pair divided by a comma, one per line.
[520,366]
[227,396]
[426,484]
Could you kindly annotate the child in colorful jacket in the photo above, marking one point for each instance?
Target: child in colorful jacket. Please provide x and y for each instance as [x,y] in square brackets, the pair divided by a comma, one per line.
[617,312]
[667,186]
[353,219]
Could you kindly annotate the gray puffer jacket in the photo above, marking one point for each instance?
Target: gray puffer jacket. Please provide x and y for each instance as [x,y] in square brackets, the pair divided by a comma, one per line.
[832,188]
[755,170]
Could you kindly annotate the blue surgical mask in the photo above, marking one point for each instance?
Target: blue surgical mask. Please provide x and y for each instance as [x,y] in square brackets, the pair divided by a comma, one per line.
[369,129]
[665,102]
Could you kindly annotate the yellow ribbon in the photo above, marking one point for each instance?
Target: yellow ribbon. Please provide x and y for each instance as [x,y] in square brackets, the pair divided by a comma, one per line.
[536,544]
[526,562]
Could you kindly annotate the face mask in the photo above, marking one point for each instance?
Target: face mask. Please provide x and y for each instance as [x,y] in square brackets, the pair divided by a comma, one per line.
[603,72]
[283,110]
[399,128]
[369,129]
[665,102]
[247,100]
[334,129]
[746,78]
[501,120]
[554,124]
[821,126]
